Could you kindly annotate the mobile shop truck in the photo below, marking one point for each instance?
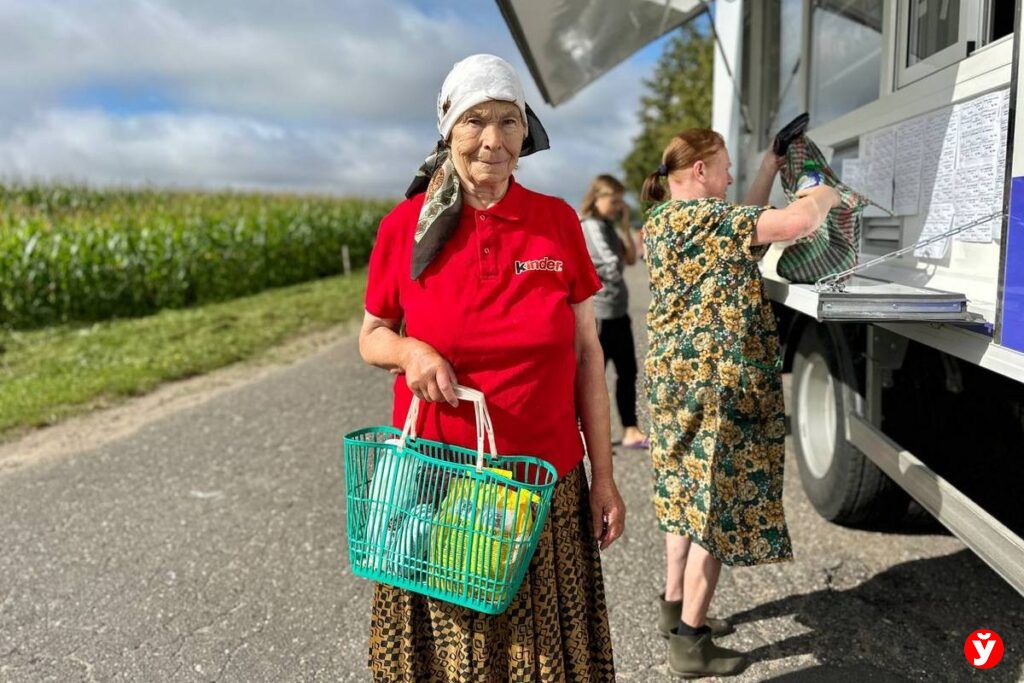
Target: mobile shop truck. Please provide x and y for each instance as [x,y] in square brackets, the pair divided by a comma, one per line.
[908,373]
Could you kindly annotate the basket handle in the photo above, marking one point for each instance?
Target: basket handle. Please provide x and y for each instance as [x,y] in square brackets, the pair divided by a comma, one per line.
[484,426]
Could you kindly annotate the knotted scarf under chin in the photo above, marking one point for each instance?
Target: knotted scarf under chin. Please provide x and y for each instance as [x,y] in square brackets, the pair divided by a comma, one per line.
[439,216]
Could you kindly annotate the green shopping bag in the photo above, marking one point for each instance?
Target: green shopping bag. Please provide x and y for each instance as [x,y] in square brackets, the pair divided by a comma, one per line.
[834,247]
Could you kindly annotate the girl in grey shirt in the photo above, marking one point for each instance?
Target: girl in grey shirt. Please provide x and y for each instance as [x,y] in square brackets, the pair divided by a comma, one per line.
[605,219]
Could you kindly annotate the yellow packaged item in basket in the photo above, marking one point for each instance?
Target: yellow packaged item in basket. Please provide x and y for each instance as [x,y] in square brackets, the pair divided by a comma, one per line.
[479,537]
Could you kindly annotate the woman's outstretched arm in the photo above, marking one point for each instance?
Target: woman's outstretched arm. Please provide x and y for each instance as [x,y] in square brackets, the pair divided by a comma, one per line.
[760,190]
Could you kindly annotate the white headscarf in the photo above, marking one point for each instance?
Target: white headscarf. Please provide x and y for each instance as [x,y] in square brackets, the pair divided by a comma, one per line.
[474,80]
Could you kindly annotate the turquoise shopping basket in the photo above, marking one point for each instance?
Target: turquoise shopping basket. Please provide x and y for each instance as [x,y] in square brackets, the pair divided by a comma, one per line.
[438,519]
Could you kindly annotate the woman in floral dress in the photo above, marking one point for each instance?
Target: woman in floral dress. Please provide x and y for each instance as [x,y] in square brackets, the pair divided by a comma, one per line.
[712,378]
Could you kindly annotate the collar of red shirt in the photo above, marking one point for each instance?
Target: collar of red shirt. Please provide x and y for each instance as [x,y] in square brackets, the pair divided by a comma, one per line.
[512,205]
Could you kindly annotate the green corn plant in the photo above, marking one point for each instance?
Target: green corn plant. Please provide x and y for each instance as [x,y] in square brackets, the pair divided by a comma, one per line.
[85,254]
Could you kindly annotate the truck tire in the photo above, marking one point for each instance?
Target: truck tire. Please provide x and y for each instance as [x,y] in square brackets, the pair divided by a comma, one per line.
[843,485]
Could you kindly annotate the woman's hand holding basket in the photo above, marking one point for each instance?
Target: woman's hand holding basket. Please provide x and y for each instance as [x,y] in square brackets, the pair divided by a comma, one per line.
[429,376]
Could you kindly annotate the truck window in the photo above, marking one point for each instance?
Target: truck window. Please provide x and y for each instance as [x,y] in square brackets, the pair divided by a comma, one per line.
[998,19]
[934,25]
[934,34]
[846,57]
[782,96]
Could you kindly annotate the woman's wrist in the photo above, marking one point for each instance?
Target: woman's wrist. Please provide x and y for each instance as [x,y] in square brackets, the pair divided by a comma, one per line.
[826,198]
[599,472]
[771,162]
[408,349]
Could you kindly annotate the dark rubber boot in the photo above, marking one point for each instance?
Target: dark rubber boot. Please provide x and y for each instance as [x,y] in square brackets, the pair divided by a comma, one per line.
[698,656]
[668,619]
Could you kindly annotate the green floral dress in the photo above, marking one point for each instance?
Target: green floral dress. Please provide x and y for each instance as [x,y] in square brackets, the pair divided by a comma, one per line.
[712,378]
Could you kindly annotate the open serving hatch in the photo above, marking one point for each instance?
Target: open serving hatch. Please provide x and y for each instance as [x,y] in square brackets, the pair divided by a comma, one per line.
[865,299]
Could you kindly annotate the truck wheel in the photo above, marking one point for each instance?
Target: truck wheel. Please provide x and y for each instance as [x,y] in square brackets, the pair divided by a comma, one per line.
[843,485]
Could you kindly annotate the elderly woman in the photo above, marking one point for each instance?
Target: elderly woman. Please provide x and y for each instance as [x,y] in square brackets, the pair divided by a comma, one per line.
[493,284]
[712,377]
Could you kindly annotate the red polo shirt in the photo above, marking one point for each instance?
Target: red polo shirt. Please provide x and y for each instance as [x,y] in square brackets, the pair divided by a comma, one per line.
[496,304]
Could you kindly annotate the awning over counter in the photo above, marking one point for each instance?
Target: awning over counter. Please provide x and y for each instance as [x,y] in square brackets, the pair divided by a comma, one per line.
[569,43]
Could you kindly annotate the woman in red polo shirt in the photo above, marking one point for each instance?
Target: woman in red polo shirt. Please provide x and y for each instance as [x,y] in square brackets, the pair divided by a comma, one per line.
[497,298]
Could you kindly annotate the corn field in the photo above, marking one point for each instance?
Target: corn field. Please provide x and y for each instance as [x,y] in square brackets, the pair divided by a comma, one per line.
[75,253]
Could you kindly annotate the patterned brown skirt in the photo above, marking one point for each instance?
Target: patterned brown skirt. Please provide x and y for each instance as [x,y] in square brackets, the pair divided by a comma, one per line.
[556,628]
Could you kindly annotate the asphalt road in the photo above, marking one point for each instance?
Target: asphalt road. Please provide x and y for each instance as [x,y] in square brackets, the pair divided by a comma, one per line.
[208,545]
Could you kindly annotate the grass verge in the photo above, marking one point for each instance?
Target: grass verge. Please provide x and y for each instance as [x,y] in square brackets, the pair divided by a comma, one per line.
[54,372]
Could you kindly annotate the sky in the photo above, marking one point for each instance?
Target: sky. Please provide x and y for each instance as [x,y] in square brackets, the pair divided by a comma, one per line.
[307,95]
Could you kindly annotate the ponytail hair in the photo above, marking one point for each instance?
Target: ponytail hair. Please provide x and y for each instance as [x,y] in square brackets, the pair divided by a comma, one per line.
[653,191]
[683,151]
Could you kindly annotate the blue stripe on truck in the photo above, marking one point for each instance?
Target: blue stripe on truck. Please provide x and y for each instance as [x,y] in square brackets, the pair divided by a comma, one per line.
[1012,334]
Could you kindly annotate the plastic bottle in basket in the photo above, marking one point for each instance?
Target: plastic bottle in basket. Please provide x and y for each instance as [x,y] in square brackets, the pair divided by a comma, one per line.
[407,546]
[392,494]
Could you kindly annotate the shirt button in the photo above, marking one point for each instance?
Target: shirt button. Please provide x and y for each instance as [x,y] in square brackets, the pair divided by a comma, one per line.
[483,217]
[486,250]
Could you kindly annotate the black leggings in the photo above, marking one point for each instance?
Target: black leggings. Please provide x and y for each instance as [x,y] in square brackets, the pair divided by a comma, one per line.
[616,337]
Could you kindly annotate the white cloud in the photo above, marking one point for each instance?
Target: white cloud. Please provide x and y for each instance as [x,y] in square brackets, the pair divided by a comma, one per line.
[207,151]
[317,60]
[325,96]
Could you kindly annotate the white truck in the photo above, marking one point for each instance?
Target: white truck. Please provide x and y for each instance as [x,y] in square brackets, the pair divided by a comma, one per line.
[910,379]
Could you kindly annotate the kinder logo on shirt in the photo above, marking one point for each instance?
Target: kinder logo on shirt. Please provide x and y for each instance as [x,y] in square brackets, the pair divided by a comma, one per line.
[538,264]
